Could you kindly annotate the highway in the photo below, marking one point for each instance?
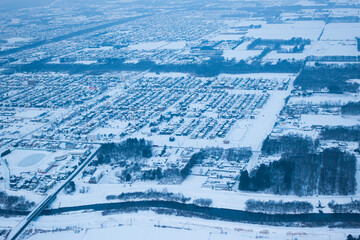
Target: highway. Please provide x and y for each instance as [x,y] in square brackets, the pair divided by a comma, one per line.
[20,227]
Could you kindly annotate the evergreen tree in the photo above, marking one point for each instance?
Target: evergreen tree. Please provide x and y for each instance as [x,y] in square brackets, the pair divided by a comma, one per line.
[244,181]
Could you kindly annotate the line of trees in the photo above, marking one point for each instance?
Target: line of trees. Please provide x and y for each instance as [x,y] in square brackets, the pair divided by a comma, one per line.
[3,232]
[150,194]
[231,154]
[352,207]
[341,133]
[127,174]
[196,158]
[275,44]
[351,108]
[264,52]
[117,152]
[278,207]
[17,203]
[331,172]
[204,202]
[350,237]
[70,187]
[238,154]
[294,144]
[153,174]
[334,79]
[210,68]
[124,210]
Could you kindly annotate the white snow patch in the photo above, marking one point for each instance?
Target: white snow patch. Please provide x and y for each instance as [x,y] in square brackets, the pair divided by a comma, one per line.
[147,45]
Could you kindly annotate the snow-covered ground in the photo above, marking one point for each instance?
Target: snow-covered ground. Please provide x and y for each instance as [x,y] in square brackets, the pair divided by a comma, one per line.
[147,225]
[328,120]
[239,54]
[275,56]
[305,29]
[85,62]
[227,37]
[9,222]
[348,31]
[17,40]
[334,48]
[147,45]
[258,129]
[174,45]
[331,99]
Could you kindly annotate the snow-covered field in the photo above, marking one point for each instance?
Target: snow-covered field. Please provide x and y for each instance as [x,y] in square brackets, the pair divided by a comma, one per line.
[328,120]
[174,45]
[239,54]
[147,45]
[334,48]
[17,40]
[305,29]
[275,56]
[331,99]
[85,62]
[227,36]
[348,31]
[147,225]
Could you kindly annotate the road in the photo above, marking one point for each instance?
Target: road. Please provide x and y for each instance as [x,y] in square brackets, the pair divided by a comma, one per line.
[20,227]
[266,122]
